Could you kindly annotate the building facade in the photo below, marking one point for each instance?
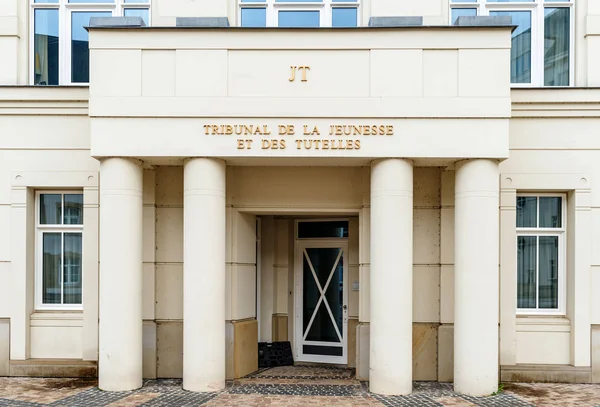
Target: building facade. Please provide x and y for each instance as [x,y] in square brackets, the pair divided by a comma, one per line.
[409,188]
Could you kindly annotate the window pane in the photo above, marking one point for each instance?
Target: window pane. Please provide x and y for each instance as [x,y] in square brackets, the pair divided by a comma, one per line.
[550,212]
[73,209]
[137,1]
[526,275]
[254,17]
[299,1]
[254,1]
[50,209]
[45,47]
[323,229]
[463,1]
[459,12]
[91,1]
[72,268]
[80,53]
[299,19]
[526,212]
[343,17]
[520,53]
[138,12]
[557,33]
[51,268]
[45,1]
[510,1]
[548,294]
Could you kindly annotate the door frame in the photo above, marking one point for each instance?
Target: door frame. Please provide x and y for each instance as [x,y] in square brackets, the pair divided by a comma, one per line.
[300,245]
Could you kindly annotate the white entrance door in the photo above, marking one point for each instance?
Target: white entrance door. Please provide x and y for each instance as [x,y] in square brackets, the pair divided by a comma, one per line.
[321,326]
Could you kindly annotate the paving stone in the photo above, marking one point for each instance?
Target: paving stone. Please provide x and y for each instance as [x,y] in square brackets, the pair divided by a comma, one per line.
[286,386]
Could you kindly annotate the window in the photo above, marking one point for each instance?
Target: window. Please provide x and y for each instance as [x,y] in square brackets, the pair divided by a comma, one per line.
[59,244]
[60,42]
[322,229]
[298,13]
[541,254]
[542,41]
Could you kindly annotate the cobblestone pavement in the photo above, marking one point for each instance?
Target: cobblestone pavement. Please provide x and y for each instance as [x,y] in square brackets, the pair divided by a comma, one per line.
[298,386]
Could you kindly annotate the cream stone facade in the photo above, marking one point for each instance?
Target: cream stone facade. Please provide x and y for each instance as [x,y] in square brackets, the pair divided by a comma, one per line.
[187,188]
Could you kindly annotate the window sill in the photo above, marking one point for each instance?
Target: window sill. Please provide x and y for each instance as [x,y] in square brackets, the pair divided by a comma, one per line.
[66,318]
[543,323]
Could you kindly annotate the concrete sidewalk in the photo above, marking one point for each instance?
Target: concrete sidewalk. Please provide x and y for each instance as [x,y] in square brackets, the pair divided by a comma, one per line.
[298,386]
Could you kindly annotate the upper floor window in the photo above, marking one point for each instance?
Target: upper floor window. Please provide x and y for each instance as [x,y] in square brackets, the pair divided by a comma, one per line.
[542,41]
[541,254]
[59,250]
[60,54]
[298,13]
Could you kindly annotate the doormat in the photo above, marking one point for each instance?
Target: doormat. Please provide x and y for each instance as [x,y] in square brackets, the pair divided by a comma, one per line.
[275,354]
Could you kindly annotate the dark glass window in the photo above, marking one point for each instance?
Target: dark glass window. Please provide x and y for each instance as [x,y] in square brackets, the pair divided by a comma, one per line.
[333,229]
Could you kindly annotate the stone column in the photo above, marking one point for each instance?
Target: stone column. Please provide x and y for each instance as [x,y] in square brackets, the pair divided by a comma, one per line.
[204,275]
[391,277]
[120,331]
[476,277]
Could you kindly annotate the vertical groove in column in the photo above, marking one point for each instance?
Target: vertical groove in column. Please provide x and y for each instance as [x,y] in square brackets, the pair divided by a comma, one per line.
[476,278]
[120,299]
[391,277]
[204,275]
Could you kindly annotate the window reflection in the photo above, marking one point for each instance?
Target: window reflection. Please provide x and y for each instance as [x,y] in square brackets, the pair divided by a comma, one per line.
[45,47]
[291,18]
[80,52]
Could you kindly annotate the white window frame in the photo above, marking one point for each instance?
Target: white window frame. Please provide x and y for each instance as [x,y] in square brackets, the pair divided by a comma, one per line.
[324,7]
[65,9]
[562,256]
[484,7]
[40,230]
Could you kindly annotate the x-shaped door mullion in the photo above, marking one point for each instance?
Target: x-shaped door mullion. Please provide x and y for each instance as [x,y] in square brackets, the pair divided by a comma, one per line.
[322,296]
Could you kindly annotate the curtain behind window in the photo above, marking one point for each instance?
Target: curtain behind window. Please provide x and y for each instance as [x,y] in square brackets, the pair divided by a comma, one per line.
[557,37]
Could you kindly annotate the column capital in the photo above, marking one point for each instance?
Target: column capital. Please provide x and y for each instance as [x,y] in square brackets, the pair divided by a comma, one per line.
[188,159]
[134,160]
[459,163]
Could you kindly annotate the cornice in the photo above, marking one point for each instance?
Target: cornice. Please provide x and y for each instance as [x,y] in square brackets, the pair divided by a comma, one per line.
[43,101]
[555,102]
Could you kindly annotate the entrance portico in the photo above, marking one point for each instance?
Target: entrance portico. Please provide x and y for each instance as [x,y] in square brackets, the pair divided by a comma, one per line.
[271,169]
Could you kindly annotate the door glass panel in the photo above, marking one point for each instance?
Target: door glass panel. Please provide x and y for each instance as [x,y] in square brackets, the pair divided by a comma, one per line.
[322,328]
[327,264]
[322,260]
[335,294]
[310,296]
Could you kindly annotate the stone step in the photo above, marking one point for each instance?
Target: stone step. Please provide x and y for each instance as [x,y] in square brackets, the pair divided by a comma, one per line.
[53,368]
